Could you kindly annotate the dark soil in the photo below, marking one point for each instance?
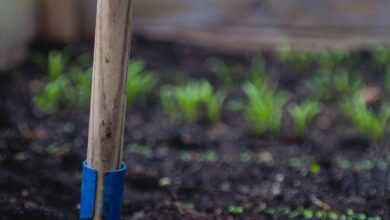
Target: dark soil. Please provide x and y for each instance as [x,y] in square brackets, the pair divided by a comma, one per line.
[182,171]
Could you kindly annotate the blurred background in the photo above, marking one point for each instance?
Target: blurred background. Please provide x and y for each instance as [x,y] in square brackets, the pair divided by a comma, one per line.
[229,25]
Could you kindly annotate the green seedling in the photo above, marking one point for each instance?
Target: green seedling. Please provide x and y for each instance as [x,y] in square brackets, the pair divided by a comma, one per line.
[209,156]
[69,83]
[143,150]
[334,84]
[190,98]
[140,82]
[381,56]
[69,90]
[314,168]
[387,80]
[236,210]
[264,108]
[305,213]
[168,101]
[328,59]
[365,120]
[298,59]
[302,115]
[365,165]
[56,65]
[49,97]
[345,84]
[222,71]
[189,101]
[332,59]
[322,86]
[214,107]
[258,74]
[79,92]
[308,214]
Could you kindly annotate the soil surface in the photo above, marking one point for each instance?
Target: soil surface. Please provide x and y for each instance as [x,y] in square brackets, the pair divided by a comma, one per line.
[184,171]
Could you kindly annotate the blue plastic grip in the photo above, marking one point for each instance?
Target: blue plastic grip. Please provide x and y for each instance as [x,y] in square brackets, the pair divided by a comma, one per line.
[88,191]
[112,193]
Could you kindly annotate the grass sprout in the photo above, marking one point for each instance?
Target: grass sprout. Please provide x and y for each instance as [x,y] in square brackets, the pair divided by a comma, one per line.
[190,98]
[258,74]
[303,114]
[222,71]
[381,56]
[365,120]
[56,65]
[332,59]
[68,84]
[334,85]
[327,59]
[236,210]
[79,91]
[189,101]
[168,101]
[297,59]
[214,106]
[387,80]
[307,213]
[140,82]
[49,97]
[264,108]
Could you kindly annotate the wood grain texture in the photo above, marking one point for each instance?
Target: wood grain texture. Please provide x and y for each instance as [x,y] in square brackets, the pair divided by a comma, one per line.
[108,100]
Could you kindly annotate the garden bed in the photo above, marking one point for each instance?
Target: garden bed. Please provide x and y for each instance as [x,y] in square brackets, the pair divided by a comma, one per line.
[197,170]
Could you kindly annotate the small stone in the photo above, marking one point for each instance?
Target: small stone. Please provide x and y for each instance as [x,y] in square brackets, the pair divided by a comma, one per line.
[165,181]
[25,193]
[276,189]
[265,157]
[279,177]
[225,187]
[69,128]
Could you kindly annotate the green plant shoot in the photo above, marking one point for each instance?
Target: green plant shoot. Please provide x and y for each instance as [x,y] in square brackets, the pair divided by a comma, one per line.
[381,56]
[188,101]
[49,97]
[334,84]
[264,108]
[140,82]
[303,114]
[222,71]
[56,65]
[68,84]
[365,120]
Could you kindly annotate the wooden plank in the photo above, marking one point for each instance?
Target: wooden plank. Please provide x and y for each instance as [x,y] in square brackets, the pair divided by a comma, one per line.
[17,29]
[250,25]
[60,20]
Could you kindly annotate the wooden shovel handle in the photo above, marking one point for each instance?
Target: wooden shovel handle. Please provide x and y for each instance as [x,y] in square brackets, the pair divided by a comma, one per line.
[108,100]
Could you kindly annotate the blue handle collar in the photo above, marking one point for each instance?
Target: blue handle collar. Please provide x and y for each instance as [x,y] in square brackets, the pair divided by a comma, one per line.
[112,192]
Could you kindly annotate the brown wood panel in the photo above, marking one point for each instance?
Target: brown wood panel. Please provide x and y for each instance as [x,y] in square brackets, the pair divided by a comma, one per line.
[60,20]
[307,23]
